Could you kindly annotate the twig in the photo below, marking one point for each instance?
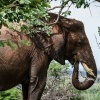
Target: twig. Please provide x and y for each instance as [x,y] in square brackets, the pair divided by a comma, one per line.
[90,11]
[54,8]
[97,42]
[82,75]
[62,7]
[69,6]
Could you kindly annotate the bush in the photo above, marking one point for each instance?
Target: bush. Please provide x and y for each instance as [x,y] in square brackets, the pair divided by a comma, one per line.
[12,94]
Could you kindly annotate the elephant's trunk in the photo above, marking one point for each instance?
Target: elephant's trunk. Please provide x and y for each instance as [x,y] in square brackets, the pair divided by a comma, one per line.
[91,76]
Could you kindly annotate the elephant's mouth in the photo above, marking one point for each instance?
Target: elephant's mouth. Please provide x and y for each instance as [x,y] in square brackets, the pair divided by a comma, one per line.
[84,64]
[89,80]
[87,69]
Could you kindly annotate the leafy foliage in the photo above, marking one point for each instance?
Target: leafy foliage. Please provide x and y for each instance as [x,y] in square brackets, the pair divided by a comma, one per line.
[30,11]
[11,94]
[22,11]
[55,69]
[80,3]
[26,10]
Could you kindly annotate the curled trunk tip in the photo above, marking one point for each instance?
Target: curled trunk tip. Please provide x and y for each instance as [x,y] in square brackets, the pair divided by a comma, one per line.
[88,82]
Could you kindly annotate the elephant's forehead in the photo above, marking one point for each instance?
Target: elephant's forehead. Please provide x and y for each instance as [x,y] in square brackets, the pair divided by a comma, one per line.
[73,36]
[76,36]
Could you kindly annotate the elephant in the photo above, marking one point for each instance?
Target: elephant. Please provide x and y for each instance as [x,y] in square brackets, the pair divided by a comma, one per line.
[28,65]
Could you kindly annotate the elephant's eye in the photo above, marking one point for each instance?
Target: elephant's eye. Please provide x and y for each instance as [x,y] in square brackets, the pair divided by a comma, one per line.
[80,42]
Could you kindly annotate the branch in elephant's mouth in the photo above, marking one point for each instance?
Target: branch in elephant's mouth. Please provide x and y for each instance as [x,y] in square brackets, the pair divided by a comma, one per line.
[88,70]
[82,84]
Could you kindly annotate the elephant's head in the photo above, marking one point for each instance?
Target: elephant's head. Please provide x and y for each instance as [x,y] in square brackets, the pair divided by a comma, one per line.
[78,50]
[68,41]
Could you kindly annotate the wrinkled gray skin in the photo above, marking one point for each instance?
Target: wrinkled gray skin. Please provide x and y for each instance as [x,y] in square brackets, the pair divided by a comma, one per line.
[27,65]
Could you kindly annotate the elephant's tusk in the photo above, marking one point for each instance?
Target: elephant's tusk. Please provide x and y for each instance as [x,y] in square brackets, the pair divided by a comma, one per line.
[88,70]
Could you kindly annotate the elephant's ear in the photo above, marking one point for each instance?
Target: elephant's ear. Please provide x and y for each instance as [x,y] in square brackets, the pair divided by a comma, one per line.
[53,45]
[42,41]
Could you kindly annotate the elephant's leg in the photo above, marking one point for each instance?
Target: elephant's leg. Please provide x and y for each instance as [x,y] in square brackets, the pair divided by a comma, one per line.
[25,91]
[36,87]
[38,76]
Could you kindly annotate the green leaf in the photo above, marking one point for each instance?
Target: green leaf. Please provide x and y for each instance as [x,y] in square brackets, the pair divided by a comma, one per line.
[5,23]
[24,28]
[66,13]
[11,44]
[25,42]
[47,5]
[1,10]
[1,43]
[24,1]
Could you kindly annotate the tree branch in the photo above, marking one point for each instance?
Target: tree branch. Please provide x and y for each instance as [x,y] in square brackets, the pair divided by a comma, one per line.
[97,42]
[54,8]
[90,11]
[62,7]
